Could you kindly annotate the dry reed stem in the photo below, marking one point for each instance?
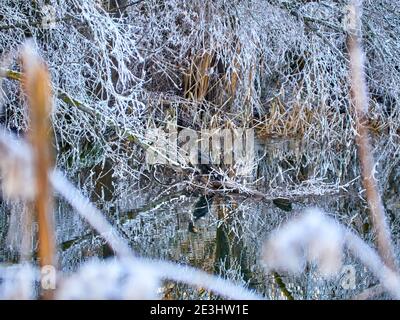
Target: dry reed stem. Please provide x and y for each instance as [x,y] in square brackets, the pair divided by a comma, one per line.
[197,79]
[37,88]
[360,100]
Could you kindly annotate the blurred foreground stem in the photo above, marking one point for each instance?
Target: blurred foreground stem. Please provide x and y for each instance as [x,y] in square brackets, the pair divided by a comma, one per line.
[360,101]
[36,86]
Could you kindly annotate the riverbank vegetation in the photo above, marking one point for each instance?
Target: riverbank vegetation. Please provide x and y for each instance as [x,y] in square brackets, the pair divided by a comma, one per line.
[84,82]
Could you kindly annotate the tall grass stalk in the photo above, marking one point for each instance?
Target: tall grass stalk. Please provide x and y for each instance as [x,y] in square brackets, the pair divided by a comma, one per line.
[360,100]
[37,88]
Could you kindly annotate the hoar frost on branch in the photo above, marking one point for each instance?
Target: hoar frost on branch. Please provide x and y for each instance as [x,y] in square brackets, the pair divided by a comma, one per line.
[281,63]
[116,69]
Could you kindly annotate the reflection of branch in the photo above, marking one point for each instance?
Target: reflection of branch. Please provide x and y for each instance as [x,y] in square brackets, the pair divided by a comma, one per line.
[75,241]
[359,97]
[131,214]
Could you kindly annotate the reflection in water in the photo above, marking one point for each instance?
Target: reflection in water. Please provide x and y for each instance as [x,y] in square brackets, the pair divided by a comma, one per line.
[226,230]
[202,206]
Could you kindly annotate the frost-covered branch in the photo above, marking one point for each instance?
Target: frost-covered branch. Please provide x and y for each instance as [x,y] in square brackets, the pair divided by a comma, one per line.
[316,238]
[141,279]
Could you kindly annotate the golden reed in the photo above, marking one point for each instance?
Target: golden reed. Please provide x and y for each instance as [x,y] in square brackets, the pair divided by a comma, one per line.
[36,87]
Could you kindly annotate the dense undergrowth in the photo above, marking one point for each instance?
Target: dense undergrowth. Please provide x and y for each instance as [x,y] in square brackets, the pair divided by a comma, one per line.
[119,69]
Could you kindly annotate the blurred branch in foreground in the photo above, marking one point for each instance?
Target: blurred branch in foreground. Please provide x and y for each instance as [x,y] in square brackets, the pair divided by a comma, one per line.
[37,88]
[314,237]
[360,100]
